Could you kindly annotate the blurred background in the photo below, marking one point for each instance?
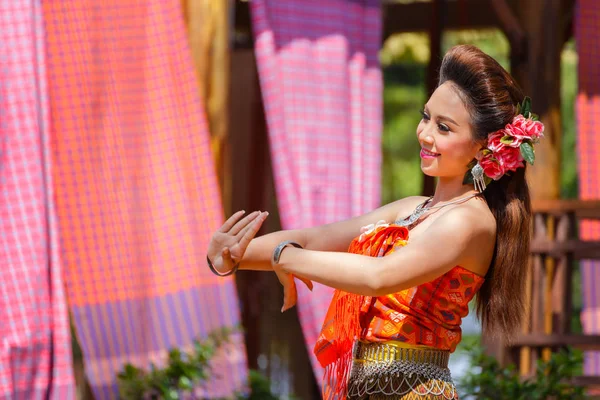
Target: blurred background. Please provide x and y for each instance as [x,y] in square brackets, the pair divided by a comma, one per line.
[132,129]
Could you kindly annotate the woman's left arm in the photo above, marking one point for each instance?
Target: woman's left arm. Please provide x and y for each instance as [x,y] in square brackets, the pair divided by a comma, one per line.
[456,238]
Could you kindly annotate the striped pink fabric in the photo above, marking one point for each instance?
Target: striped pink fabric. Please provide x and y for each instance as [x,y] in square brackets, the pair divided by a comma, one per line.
[321,85]
[587,32]
[35,342]
[136,189]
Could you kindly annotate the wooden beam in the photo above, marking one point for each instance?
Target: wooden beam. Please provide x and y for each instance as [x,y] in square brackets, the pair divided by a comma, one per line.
[586,381]
[511,27]
[583,209]
[458,14]
[583,342]
[581,250]
[399,18]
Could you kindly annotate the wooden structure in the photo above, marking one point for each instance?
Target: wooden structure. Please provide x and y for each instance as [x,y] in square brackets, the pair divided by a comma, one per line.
[555,250]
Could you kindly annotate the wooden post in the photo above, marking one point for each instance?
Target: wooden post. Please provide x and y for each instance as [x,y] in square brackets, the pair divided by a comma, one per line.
[550,269]
[535,64]
[435,61]
[251,174]
[538,73]
[270,335]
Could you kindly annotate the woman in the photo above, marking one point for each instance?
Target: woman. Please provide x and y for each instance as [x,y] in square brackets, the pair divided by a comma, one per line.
[405,273]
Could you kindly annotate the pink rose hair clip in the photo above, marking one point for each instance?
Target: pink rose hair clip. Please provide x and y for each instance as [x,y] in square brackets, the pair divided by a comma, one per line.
[507,149]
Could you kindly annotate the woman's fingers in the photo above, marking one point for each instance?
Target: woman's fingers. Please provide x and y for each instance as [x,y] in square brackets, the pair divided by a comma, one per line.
[231,221]
[307,282]
[228,261]
[252,230]
[289,289]
[243,223]
[290,293]
[245,229]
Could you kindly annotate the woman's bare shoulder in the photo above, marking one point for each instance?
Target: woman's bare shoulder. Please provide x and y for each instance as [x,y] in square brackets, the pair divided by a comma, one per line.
[337,236]
[472,228]
[474,215]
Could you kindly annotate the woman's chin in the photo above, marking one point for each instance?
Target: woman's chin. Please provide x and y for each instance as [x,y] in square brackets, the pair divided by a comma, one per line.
[429,170]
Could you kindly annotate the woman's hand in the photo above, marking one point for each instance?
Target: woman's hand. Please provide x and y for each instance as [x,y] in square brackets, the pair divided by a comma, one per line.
[290,292]
[229,243]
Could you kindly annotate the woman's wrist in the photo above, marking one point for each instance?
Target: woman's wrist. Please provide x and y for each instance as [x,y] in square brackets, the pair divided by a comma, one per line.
[218,273]
[279,250]
[288,255]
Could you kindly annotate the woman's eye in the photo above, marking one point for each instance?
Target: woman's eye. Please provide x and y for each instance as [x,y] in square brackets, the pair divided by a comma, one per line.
[424,115]
[443,128]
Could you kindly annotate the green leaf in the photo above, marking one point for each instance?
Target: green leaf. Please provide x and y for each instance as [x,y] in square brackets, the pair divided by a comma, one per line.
[468,178]
[526,108]
[507,139]
[518,109]
[527,152]
[535,117]
[185,383]
[172,394]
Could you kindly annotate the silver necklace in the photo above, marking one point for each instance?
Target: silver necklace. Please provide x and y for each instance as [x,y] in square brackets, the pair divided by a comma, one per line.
[422,208]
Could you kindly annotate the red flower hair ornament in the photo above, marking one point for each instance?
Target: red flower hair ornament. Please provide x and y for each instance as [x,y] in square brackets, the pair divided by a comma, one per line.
[507,149]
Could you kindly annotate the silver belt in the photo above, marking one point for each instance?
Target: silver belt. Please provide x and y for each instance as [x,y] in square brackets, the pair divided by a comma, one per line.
[391,368]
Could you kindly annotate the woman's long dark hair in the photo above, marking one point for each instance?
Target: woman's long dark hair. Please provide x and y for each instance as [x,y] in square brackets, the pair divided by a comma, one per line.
[491,96]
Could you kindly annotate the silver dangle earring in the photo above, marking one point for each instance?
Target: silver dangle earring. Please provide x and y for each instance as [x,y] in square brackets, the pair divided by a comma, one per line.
[478,179]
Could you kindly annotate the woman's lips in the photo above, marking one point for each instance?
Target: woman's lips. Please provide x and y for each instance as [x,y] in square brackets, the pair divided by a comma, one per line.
[428,154]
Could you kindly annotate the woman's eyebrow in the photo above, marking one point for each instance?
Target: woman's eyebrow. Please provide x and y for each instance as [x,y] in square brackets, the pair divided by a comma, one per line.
[443,118]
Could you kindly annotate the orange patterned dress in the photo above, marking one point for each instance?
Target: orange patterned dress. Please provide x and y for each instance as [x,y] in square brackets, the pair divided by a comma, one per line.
[424,319]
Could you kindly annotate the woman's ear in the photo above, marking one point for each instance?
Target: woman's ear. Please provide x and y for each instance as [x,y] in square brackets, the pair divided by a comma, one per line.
[477,146]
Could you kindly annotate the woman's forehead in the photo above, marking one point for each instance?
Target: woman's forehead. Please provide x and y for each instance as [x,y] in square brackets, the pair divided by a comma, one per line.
[446,101]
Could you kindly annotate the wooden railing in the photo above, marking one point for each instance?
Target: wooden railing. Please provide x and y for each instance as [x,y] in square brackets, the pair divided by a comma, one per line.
[555,250]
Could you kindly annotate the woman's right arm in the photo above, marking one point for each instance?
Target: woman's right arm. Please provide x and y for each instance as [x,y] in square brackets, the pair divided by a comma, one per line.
[235,241]
[329,237]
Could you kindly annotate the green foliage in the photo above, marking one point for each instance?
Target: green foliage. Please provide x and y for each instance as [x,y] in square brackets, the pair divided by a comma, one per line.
[524,108]
[260,388]
[568,93]
[490,41]
[182,372]
[403,98]
[408,47]
[527,152]
[487,380]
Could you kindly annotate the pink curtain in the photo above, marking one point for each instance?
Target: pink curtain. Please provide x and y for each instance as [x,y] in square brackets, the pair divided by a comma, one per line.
[137,194]
[35,341]
[321,85]
[587,33]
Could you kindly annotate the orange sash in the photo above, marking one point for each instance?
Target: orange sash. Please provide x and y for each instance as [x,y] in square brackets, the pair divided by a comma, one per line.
[342,323]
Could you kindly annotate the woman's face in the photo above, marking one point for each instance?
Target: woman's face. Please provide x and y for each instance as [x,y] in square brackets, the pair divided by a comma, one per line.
[445,134]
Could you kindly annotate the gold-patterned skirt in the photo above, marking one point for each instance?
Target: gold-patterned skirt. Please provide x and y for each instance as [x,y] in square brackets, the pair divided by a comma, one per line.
[395,370]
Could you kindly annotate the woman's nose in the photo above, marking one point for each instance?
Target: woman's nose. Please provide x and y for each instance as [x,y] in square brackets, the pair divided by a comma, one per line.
[426,137]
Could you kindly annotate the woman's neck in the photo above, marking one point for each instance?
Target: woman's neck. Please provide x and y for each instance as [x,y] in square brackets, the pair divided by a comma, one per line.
[449,189]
